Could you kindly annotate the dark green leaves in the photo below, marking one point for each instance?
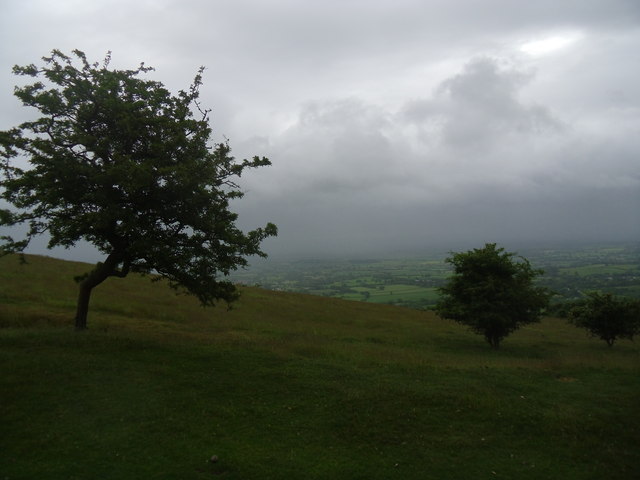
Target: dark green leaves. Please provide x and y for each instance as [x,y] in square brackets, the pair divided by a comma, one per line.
[492,293]
[117,160]
[607,317]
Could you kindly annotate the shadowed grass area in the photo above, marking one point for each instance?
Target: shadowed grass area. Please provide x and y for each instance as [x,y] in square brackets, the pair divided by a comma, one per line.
[296,386]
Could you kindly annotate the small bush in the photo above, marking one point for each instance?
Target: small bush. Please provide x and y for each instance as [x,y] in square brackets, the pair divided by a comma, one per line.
[607,317]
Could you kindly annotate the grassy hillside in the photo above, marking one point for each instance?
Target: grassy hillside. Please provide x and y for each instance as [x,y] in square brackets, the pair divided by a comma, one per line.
[288,386]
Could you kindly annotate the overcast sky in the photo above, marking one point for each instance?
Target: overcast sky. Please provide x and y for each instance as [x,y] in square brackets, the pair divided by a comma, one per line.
[392,125]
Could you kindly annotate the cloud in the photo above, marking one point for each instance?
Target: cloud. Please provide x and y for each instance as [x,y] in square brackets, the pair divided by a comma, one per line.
[390,124]
[466,133]
[469,160]
[479,107]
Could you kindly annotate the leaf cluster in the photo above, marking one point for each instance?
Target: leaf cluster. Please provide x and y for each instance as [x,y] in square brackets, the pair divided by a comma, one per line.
[492,292]
[607,317]
[116,160]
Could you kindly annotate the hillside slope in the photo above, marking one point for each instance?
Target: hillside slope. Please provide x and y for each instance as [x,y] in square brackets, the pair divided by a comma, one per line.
[296,386]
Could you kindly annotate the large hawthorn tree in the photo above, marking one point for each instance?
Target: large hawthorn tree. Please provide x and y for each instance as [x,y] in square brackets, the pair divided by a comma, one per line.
[116,160]
[492,292]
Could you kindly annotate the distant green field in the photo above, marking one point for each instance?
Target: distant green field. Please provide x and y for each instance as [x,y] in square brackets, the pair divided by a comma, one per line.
[601,269]
[569,271]
[294,386]
[393,293]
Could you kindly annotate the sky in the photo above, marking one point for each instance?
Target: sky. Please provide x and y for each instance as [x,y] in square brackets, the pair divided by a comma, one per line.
[393,126]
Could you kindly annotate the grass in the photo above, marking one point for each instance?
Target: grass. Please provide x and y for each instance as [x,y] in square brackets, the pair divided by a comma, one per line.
[296,386]
[394,293]
[599,269]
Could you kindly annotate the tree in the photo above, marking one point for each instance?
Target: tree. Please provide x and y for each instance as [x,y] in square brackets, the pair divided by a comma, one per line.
[118,161]
[607,317]
[491,293]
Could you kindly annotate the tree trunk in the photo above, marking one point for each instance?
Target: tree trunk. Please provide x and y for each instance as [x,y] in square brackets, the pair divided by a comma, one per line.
[93,279]
[494,341]
[82,308]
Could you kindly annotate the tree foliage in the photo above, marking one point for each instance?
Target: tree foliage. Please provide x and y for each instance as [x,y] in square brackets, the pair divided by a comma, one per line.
[117,160]
[492,293]
[607,317]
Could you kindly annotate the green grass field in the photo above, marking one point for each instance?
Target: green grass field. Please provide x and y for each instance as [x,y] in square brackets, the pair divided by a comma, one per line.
[394,293]
[599,269]
[291,386]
